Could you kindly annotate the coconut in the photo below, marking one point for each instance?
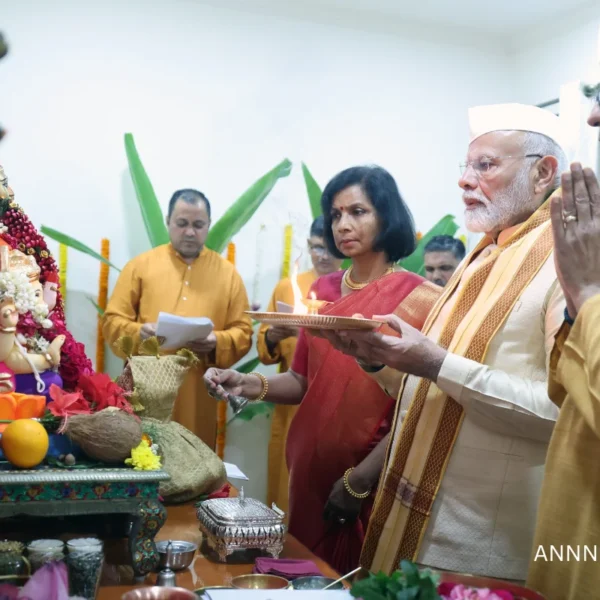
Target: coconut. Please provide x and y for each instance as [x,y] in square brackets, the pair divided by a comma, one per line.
[107,436]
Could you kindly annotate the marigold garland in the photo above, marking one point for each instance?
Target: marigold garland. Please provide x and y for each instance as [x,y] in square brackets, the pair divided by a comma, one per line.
[222,406]
[419,236]
[62,272]
[288,235]
[102,302]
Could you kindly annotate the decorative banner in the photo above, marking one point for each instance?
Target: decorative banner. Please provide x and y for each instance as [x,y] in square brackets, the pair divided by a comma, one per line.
[222,406]
[288,235]
[62,272]
[102,302]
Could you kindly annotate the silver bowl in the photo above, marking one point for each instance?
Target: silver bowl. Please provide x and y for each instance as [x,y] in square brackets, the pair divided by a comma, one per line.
[314,582]
[182,554]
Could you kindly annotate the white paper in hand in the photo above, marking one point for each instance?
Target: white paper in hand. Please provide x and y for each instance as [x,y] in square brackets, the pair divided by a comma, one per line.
[180,331]
[282,307]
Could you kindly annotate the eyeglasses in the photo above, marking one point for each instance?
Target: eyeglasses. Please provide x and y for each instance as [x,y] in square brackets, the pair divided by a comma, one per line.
[318,249]
[482,165]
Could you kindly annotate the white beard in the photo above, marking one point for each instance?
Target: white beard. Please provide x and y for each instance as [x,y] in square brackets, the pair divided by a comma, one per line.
[509,207]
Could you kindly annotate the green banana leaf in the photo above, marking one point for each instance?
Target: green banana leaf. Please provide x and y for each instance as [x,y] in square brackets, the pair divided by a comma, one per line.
[152,213]
[254,409]
[71,242]
[239,213]
[414,262]
[249,365]
[314,192]
[96,306]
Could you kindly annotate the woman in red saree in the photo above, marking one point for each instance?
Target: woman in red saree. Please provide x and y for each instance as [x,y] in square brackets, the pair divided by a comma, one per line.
[337,441]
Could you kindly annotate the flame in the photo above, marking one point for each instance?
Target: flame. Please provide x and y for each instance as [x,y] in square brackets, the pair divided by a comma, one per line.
[313,304]
[299,307]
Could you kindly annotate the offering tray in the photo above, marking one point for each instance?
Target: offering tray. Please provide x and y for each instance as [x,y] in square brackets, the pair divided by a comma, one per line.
[241,523]
[315,321]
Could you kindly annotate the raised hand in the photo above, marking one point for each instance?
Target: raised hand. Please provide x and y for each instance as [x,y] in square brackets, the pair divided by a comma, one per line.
[576,226]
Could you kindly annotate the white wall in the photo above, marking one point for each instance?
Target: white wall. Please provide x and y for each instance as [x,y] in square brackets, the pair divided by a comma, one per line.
[215,98]
[564,50]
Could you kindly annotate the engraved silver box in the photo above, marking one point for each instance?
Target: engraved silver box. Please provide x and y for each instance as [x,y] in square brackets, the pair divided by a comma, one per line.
[241,523]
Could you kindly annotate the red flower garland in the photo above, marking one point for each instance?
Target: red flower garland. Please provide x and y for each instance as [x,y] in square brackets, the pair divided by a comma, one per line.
[22,235]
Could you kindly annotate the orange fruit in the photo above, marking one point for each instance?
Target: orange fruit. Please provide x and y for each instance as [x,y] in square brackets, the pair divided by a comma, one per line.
[25,443]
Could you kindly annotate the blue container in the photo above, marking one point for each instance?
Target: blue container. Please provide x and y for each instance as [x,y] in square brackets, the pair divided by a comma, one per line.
[58,444]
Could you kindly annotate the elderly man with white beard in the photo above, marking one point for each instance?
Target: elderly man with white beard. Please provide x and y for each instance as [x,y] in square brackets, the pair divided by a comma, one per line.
[464,466]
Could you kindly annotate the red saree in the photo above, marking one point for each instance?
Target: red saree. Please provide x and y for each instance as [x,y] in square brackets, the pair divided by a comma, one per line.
[343,416]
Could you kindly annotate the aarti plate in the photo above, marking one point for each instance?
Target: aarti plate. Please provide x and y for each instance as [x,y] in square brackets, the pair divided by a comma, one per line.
[315,321]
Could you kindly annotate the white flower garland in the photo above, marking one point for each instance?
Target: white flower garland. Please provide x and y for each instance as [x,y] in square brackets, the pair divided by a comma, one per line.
[16,285]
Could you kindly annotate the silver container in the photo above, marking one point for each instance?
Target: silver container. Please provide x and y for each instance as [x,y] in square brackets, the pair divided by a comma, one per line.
[315,582]
[182,554]
[231,524]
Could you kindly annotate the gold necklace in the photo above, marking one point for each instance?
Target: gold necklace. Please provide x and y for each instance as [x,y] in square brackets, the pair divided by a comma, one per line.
[353,285]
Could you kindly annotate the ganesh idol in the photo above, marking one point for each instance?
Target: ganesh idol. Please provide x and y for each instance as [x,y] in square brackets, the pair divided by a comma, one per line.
[41,330]
[24,366]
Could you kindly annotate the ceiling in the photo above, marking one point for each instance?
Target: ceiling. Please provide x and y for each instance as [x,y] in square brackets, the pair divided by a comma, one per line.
[505,19]
[493,17]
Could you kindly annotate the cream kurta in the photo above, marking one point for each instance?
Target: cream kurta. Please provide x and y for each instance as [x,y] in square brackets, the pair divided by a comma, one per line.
[569,512]
[159,280]
[483,517]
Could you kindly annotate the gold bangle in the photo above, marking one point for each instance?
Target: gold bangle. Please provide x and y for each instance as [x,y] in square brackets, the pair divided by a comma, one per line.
[350,490]
[265,384]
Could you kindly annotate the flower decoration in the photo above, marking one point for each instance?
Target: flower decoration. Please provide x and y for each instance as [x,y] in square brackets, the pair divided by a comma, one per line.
[21,234]
[102,392]
[65,404]
[143,458]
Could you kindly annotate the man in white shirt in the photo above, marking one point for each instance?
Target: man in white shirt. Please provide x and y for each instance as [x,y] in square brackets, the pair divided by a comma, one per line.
[464,467]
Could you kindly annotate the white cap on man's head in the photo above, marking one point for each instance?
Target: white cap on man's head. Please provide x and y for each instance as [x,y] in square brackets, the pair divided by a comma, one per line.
[515,117]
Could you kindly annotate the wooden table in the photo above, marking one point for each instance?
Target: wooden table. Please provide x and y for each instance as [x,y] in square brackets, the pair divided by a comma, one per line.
[182,524]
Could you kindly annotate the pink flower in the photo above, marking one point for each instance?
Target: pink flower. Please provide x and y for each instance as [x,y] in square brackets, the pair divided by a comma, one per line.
[453,591]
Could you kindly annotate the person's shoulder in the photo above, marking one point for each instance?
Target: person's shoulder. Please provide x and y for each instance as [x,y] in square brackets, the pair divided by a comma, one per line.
[148,257]
[329,287]
[406,276]
[331,278]
[216,261]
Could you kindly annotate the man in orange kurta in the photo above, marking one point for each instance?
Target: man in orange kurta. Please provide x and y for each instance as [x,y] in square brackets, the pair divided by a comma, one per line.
[186,279]
[276,345]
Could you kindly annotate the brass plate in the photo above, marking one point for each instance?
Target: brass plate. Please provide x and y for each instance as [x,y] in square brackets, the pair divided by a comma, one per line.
[315,321]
